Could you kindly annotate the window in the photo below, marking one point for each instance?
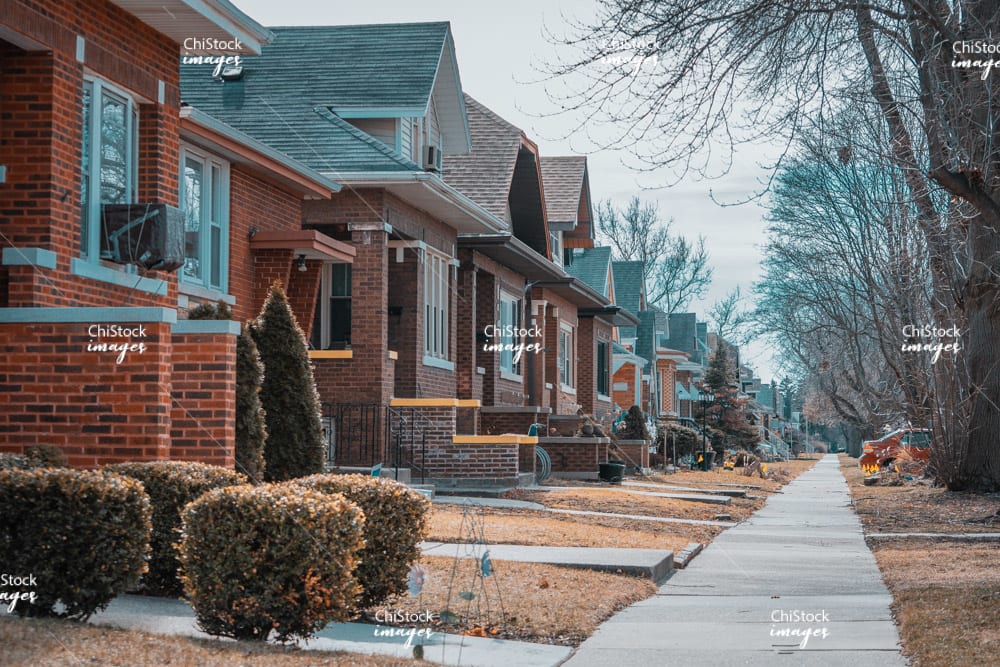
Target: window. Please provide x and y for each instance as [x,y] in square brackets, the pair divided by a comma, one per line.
[566,355]
[205,202]
[555,241]
[436,311]
[510,318]
[332,321]
[110,156]
[602,368]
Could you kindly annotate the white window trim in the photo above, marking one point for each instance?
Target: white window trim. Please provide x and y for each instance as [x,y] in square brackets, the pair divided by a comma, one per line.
[323,298]
[514,371]
[437,302]
[567,356]
[90,248]
[208,161]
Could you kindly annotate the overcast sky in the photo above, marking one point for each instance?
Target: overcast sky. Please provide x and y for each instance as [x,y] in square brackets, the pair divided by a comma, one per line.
[500,46]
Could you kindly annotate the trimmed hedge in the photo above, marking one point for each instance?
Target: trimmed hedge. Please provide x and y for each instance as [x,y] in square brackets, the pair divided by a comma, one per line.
[37,456]
[395,524]
[275,557]
[84,535]
[171,485]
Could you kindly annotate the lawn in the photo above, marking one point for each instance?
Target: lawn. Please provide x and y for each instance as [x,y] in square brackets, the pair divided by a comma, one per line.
[54,643]
[524,601]
[946,593]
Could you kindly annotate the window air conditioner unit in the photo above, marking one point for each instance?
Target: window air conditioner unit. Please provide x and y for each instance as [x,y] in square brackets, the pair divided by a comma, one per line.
[432,158]
[148,235]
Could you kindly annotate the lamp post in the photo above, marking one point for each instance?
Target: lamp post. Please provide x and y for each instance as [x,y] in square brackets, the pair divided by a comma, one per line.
[707,397]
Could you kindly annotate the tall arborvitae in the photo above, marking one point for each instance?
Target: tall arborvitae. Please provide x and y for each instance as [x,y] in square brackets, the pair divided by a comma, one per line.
[294,446]
[251,433]
[250,430]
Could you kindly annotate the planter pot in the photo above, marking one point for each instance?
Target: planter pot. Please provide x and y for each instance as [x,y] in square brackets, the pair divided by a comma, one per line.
[612,472]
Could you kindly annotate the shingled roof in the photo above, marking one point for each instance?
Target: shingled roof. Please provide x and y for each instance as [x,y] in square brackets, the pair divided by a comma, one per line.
[592,266]
[292,96]
[485,174]
[501,174]
[564,180]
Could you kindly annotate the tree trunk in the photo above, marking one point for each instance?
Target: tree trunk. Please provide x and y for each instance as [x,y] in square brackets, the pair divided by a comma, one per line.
[980,469]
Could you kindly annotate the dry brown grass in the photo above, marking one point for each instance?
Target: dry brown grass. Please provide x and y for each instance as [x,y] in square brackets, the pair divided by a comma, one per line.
[946,594]
[919,507]
[627,500]
[606,499]
[53,643]
[542,603]
[946,599]
[537,528]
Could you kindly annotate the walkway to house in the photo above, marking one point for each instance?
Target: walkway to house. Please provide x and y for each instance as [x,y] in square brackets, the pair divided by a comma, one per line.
[795,584]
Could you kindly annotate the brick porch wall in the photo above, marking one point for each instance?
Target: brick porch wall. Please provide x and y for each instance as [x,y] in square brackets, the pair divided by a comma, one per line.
[203,393]
[54,391]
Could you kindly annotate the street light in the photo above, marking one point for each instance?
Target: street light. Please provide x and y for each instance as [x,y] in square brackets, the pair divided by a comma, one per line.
[707,397]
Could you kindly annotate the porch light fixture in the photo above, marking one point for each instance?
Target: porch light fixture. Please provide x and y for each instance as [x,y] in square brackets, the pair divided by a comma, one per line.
[302,263]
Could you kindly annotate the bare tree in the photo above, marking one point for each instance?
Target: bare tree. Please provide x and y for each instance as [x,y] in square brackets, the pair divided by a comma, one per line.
[675,270]
[730,317]
[682,80]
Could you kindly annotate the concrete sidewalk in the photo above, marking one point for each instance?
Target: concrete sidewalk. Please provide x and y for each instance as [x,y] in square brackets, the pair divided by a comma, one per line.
[175,617]
[796,584]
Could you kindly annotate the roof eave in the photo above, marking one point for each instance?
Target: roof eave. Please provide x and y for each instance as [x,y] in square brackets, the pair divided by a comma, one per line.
[201,128]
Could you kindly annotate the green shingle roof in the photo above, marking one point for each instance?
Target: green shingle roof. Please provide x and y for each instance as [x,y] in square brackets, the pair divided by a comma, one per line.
[286,94]
[628,285]
[591,266]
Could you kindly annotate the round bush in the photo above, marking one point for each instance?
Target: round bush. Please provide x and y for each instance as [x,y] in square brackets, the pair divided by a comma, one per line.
[170,486]
[82,537]
[271,557]
[47,456]
[395,523]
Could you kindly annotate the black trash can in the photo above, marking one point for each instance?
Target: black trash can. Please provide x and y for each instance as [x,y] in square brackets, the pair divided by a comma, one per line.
[612,472]
[706,464]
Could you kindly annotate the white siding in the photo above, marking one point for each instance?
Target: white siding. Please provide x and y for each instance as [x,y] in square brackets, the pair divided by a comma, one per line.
[383,129]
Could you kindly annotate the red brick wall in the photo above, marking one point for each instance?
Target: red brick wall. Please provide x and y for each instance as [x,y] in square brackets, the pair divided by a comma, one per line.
[634,455]
[491,277]
[54,391]
[577,455]
[41,97]
[498,423]
[558,310]
[478,461]
[626,398]
[590,332]
[203,389]
[368,377]
[255,202]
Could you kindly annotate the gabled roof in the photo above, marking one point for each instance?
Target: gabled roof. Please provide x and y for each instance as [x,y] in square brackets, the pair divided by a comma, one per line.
[289,96]
[629,285]
[485,174]
[592,266]
[565,181]
[683,332]
[501,174]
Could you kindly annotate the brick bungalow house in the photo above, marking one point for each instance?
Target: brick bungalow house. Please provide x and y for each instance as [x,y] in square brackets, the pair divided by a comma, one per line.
[517,278]
[121,209]
[629,371]
[375,108]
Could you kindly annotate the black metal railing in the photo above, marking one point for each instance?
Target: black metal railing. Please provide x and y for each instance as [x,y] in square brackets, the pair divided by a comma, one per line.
[371,434]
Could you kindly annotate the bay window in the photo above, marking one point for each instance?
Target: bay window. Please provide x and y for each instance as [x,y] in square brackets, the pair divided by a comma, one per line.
[510,320]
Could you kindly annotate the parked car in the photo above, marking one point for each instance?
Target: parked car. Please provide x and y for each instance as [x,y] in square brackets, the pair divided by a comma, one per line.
[880,454]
